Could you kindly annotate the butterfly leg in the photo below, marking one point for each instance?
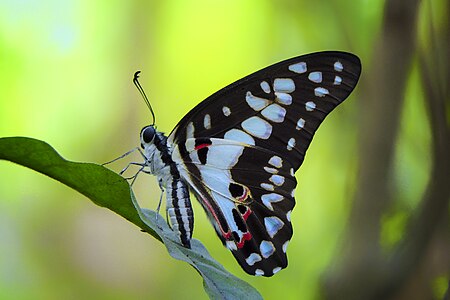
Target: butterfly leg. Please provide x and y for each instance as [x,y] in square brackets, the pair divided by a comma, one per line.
[123,155]
[132,163]
[159,204]
[134,177]
[160,197]
[142,165]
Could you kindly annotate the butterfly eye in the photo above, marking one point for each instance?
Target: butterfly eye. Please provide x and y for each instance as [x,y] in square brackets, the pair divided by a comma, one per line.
[148,133]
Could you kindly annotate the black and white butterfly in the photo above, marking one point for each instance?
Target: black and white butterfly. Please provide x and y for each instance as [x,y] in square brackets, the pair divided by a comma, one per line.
[238,151]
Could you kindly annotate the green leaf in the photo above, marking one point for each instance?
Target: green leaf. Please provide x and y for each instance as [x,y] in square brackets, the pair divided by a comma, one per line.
[107,189]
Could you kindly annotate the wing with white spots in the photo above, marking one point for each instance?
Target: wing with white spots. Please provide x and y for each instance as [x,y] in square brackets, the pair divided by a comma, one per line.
[248,194]
[239,150]
[277,108]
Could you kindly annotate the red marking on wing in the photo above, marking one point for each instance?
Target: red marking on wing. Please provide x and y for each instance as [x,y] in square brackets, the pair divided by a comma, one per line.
[245,237]
[244,196]
[201,146]
[247,213]
[227,234]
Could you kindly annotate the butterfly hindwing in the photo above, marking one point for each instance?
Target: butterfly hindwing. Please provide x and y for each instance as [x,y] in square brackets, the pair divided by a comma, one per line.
[248,203]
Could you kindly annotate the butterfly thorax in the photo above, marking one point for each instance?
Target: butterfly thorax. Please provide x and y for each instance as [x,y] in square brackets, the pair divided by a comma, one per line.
[158,157]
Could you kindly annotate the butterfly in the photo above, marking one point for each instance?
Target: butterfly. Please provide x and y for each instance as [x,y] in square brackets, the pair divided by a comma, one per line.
[239,149]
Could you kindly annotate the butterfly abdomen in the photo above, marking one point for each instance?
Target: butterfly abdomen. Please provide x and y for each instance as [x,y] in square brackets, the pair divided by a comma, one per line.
[179,210]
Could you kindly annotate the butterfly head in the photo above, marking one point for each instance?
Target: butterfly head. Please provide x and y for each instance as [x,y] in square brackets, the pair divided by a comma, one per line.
[147,135]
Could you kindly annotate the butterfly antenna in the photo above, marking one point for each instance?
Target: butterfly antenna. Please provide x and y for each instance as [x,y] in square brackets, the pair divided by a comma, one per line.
[141,90]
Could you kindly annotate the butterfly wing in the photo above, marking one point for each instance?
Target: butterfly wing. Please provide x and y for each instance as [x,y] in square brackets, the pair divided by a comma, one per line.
[239,150]
[249,206]
[279,107]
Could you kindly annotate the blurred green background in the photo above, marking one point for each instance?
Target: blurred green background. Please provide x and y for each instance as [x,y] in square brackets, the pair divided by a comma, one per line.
[372,217]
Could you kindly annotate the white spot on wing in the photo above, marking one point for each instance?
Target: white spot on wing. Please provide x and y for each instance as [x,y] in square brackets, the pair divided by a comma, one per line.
[337,80]
[320,92]
[257,127]
[300,124]
[298,67]
[273,225]
[190,130]
[190,145]
[231,245]
[285,245]
[310,106]
[277,179]
[207,121]
[288,215]
[256,103]
[338,66]
[291,144]
[292,172]
[268,199]
[259,272]
[211,177]
[253,258]
[271,170]
[276,270]
[223,157]
[226,111]
[265,87]
[315,77]
[266,248]
[240,136]
[284,85]
[267,186]
[276,161]
[283,98]
[274,113]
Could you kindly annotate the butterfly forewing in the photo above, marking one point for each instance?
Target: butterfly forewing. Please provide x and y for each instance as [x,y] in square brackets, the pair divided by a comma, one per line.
[281,103]
[239,149]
